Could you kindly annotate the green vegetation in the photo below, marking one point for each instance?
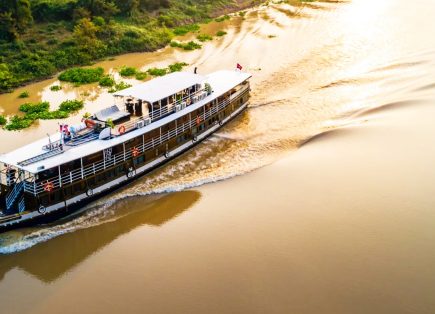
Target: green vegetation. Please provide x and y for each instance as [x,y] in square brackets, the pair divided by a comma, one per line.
[110,123]
[18,123]
[141,75]
[222,18]
[55,88]
[117,87]
[157,71]
[3,120]
[176,67]
[39,38]
[204,37]
[35,108]
[24,94]
[183,30]
[82,75]
[41,110]
[107,81]
[191,45]
[71,105]
[221,33]
[127,71]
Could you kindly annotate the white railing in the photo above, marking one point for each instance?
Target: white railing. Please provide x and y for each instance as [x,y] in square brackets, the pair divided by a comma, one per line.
[95,168]
[166,110]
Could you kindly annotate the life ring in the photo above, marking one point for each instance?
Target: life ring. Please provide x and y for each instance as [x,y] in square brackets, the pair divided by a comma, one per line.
[121,129]
[42,209]
[48,186]
[131,172]
[89,192]
[221,122]
[135,151]
[194,139]
[89,123]
[167,155]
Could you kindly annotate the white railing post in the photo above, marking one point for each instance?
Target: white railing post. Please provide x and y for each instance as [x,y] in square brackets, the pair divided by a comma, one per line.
[60,178]
[81,167]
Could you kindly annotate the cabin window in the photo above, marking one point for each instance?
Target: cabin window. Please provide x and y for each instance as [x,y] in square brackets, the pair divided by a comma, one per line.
[94,158]
[48,173]
[117,149]
[164,102]
[133,142]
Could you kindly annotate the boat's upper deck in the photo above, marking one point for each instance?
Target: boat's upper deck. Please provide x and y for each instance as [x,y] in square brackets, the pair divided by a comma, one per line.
[220,81]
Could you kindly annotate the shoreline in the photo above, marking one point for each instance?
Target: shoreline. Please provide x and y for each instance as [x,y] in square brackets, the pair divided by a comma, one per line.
[229,9]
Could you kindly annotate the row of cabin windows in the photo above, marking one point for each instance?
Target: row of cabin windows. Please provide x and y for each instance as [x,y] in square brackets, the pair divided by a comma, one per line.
[98,157]
[168,101]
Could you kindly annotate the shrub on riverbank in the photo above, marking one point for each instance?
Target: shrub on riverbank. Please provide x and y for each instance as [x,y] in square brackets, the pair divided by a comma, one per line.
[3,120]
[82,75]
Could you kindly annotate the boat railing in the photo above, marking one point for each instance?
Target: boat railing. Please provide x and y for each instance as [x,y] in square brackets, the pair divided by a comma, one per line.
[166,110]
[95,168]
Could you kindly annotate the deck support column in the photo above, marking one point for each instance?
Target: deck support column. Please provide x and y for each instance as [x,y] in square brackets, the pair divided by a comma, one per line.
[81,167]
[60,177]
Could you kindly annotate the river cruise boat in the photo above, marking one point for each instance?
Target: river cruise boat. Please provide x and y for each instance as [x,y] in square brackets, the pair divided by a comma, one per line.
[147,125]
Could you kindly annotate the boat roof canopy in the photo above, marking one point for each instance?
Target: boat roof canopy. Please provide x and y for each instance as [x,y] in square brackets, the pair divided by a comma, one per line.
[162,87]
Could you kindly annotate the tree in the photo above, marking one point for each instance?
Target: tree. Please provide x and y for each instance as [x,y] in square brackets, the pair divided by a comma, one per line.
[128,7]
[104,8]
[7,81]
[23,14]
[15,16]
[85,34]
[8,30]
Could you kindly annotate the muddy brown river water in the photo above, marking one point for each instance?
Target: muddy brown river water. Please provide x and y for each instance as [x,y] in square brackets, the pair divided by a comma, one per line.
[318,199]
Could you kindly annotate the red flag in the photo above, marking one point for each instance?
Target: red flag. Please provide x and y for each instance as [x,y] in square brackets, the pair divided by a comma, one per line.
[239,67]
